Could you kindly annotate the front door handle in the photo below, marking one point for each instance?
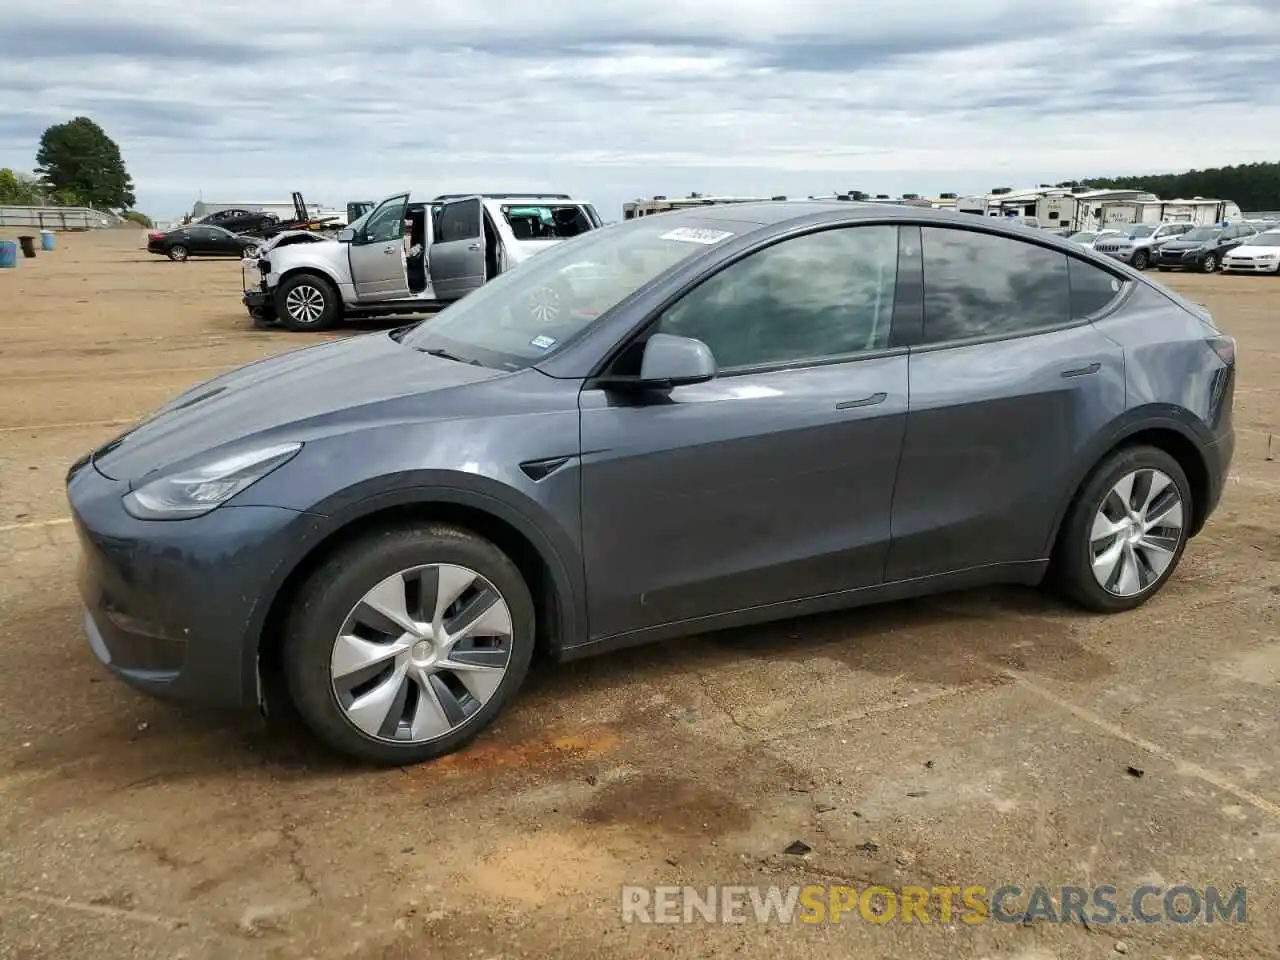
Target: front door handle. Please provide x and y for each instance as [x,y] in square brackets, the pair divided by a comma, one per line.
[474,246]
[1082,371]
[389,251]
[870,401]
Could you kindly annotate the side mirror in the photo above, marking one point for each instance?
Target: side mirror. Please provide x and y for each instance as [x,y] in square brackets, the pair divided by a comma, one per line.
[671,361]
[346,235]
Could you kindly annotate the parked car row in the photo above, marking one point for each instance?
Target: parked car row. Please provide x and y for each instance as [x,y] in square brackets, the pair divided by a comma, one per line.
[1187,246]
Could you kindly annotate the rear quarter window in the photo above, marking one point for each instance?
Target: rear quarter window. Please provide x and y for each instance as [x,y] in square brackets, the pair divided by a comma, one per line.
[1093,289]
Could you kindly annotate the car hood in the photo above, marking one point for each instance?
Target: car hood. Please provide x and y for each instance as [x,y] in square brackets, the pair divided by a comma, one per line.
[1187,244]
[298,395]
[1250,251]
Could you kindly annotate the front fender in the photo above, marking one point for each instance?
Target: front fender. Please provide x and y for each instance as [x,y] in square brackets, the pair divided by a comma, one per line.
[327,258]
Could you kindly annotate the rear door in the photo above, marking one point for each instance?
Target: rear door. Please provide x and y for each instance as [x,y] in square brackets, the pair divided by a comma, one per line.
[1009,385]
[457,249]
[773,481]
[377,253]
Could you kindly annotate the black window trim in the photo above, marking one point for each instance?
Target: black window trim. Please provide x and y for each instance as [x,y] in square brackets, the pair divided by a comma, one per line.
[1128,285]
[647,327]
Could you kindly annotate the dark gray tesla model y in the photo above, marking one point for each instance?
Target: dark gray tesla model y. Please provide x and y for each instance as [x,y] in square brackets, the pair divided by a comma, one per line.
[678,423]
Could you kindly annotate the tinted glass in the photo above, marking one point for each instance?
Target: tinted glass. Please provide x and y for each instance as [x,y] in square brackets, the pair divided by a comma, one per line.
[1092,288]
[978,285]
[819,296]
[386,223]
[506,323]
[540,221]
[459,221]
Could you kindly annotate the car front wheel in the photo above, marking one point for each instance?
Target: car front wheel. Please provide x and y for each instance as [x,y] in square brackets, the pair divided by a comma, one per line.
[1141,259]
[406,644]
[1209,263]
[1125,533]
[306,302]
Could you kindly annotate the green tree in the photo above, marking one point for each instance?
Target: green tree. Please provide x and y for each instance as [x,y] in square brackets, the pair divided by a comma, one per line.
[1253,186]
[79,164]
[17,189]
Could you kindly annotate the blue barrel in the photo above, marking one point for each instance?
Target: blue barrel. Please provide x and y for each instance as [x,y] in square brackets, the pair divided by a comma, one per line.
[47,240]
[8,254]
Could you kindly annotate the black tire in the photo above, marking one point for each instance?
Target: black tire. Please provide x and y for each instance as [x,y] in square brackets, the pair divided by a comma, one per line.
[333,590]
[1209,264]
[314,289]
[178,253]
[1072,562]
[1141,260]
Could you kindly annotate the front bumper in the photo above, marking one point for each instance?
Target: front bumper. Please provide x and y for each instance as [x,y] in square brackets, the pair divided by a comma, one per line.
[1123,254]
[1179,260]
[1251,266]
[175,608]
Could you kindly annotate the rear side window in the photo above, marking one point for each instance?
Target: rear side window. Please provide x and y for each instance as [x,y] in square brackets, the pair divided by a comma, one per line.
[983,285]
[459,221]
[1092,288]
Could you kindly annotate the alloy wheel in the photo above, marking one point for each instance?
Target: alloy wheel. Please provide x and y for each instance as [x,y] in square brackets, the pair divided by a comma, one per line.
[305,304]
[421,653]
[1210,263]
[1136,532]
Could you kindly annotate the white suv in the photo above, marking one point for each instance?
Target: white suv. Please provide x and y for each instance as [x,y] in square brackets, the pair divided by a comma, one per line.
[405,258]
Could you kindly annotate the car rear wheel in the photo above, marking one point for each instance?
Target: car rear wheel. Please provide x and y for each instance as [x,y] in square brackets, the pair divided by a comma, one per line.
[307,302]
[1125,533]
[406,644]
[1141,259]
[1209,263]
[178,253]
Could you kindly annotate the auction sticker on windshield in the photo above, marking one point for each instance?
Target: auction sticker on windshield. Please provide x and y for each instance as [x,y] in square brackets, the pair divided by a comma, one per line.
[694,235]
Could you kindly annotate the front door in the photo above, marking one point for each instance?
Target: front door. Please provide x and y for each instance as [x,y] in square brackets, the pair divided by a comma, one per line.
[377,254]
[998,427]
[457,250]
[772,482]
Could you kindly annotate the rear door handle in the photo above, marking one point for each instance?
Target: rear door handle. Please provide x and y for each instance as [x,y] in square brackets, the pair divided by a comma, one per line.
[870,401]
[1082,371]
[474,246]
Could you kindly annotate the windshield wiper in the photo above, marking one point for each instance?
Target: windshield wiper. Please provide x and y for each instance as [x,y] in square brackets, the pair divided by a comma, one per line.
[446,355]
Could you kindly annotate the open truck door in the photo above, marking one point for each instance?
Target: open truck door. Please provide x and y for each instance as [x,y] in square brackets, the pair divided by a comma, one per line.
[457,250]
[376,253]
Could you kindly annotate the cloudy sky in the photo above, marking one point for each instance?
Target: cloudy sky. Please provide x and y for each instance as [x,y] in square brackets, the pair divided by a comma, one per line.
[613,100]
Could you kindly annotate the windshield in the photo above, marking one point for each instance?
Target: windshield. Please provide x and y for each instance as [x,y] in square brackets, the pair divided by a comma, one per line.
[1135,231]
[1201,233]
[1270,239]
[523,315]
[542,221]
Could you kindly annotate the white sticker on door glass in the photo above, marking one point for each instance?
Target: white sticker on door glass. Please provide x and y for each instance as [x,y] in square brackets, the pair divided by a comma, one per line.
[694,235]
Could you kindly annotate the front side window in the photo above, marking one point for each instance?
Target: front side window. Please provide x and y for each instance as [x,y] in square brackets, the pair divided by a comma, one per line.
[981,285]
[816,297]
[387,222]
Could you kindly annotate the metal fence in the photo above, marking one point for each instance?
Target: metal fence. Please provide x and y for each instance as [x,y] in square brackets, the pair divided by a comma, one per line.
[56,218]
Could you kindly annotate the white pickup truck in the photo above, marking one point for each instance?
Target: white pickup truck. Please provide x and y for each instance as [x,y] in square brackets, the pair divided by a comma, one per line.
[407,257]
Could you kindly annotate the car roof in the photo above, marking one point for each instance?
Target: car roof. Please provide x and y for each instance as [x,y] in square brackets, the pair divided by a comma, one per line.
[775,215]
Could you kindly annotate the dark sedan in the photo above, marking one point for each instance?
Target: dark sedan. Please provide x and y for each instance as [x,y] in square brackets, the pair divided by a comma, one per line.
[200,240]
[746,413]
[1202,248]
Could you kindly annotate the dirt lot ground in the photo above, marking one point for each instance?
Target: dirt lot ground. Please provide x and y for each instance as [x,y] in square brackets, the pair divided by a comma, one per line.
[976,739]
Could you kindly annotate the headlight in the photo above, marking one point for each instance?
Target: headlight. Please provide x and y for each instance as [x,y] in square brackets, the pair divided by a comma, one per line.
[195,492]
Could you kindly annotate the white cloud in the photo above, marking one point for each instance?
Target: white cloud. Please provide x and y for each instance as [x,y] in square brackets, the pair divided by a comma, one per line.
[344,101]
